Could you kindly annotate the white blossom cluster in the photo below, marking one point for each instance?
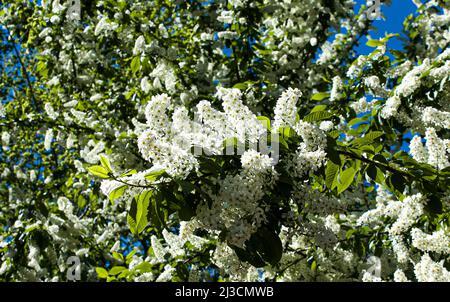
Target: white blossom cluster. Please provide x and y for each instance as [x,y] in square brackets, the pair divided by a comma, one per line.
[168,143]
[101,78]
[427,270]
[435,152]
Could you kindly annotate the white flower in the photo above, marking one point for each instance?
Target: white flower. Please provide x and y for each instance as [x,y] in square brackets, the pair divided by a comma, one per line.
[411,210]
[50,111]
[6,137]
[145,84]
[206,36]
[139,46]
[6,265]
[164,72]
[166,275]
[53,81]
[226,17]
[256,162]
[48,139]
[65,205]
[391,107]
[82,252]
[369,277]
[332,224]
[436,149]
[45,32]
[101,26]
[399,276]
[32,175]
[33,256]
[326,125]
[2,110]
[411,81]
[145,277]
[70,142]
[327,54]
[95,97]
[158,249]
[175,243]
[227,34]
[427,270]
[286,109]
[55,19]
[438,241]
[417,150]
[362,105]
[115,247]
[336,90]
[373,82]
[104,26]
[436,117]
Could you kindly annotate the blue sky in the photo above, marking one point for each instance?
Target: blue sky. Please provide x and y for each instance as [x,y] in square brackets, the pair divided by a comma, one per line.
[394,15]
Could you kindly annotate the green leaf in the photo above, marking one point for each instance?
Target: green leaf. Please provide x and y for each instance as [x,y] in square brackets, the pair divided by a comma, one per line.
[318,116]
[397,182]
[368,149]
[345,179]
[375,173]
[155,175]
[117,192]
[135,64]
[330,174]
[357,121]
[320,96]
[130,255]
[286,132]
[240,86]
[373,135]
[397,54]
[389,36]
[262,248]
[186,186]
[31,229]
[143,203]
[118,256]
[125,273]
[144,267]
[81,201]
[434,205]
[375,43]
[159,213]
[350,233]
[273,248]
[101,272]
[116,270]
[283,142]
[314,266]
[128,173]
[105,163]
[368,138]
[132,224]
[265,121]
[185,213]
[98,171]
[334,134]
[251,257]
[380,158]
[319,108]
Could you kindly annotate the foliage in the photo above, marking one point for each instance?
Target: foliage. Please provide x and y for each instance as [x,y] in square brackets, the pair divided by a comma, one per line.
[102,120]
